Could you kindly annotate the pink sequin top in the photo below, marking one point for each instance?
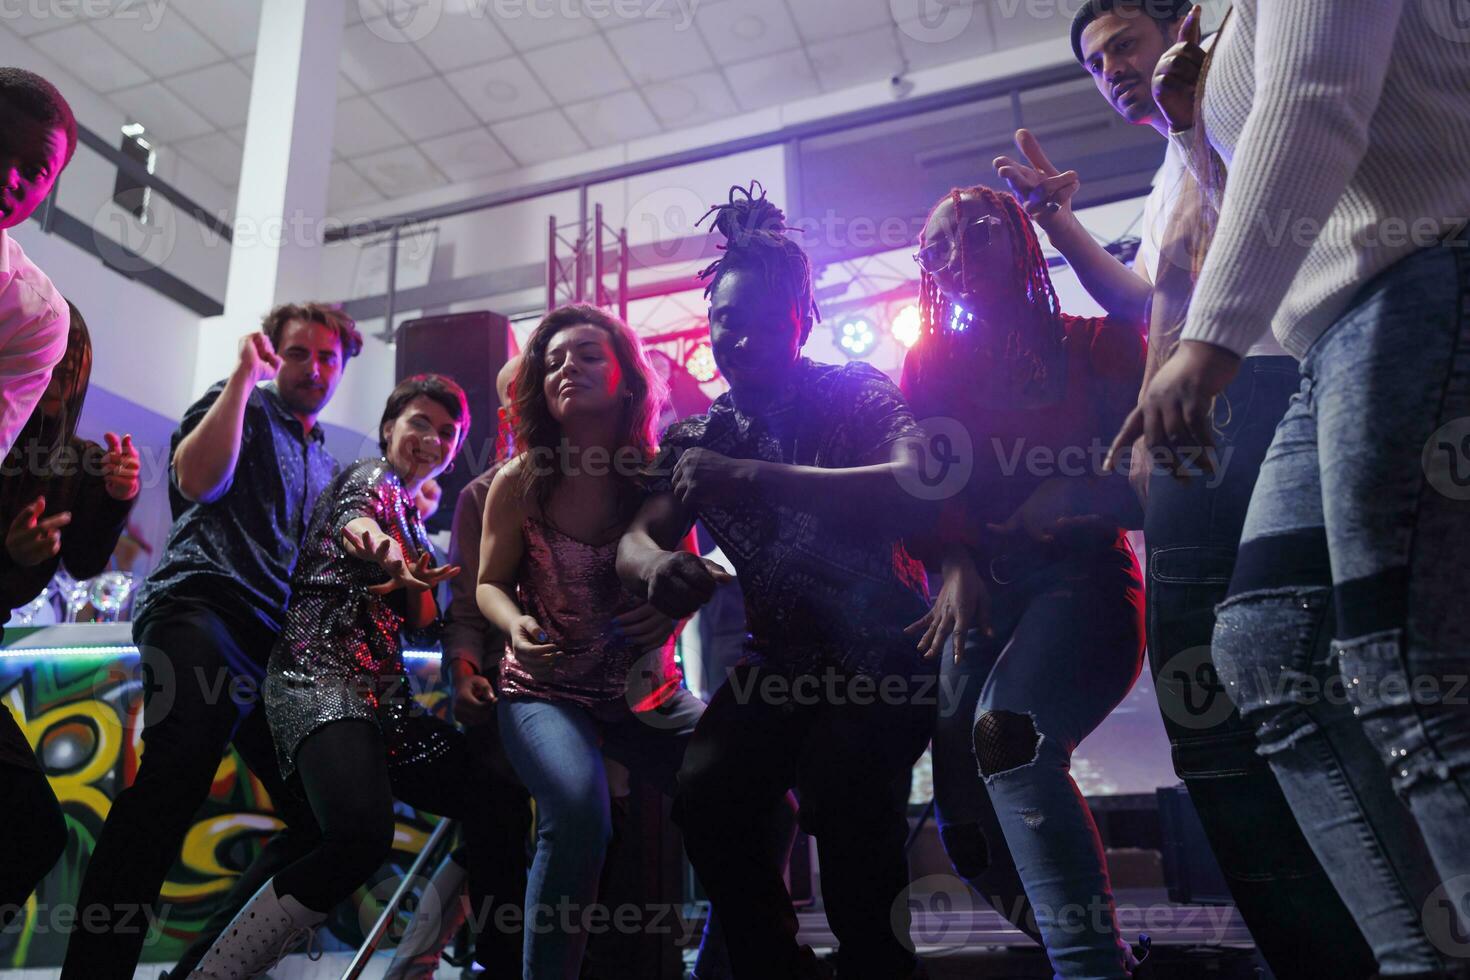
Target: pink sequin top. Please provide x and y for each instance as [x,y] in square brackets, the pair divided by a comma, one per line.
[573,591]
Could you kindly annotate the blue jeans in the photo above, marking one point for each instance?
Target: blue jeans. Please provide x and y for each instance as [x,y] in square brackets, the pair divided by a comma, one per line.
[557,750]
[1299,922]
[1361,508]
[1067,647]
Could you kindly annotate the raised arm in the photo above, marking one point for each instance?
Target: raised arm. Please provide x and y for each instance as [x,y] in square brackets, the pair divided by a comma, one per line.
[1047,196]
[204,460]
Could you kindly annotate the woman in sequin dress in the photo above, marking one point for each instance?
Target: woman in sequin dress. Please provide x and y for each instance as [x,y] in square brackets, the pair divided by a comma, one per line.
[589,667]
[337,694]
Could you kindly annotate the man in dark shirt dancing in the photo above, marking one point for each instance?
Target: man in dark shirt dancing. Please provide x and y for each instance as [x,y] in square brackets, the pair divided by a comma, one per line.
[248,463]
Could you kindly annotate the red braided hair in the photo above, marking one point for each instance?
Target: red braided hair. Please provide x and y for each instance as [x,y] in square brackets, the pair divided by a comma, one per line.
[1030,340]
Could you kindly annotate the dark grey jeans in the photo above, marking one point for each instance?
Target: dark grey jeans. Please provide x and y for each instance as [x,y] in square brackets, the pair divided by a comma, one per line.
[1363,505]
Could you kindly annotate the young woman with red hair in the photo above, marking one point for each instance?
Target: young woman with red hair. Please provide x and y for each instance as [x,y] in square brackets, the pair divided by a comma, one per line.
[1041,604]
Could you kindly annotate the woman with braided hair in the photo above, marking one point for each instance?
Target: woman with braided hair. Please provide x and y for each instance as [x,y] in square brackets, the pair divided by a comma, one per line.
[799,473]
[1040,612]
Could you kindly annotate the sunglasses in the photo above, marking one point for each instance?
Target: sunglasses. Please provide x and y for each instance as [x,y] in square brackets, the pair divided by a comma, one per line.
[978,233]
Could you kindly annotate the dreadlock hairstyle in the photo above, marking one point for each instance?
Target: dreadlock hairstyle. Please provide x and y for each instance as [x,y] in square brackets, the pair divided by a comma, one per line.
[945,329]
[755,230]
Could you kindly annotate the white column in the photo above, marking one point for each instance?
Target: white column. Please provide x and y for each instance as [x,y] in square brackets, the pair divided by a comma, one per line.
[276,254]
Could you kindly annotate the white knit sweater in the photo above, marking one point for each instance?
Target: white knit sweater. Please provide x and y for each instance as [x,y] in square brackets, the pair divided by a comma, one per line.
[1345,127]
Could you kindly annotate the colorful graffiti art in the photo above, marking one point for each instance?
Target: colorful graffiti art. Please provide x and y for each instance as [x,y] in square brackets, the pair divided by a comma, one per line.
[82,715]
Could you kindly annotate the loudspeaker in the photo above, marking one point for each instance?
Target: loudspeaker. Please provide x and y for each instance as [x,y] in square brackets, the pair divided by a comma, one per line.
[471,349]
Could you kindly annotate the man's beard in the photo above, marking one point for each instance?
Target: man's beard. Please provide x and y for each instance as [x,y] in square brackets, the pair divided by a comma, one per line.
[306,400]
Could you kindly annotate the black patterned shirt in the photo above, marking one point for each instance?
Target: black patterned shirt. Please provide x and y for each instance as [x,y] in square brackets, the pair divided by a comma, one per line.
[818,591]
[238,551]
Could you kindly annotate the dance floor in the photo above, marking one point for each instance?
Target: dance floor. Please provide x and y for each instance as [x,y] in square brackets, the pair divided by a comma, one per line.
[1189,941]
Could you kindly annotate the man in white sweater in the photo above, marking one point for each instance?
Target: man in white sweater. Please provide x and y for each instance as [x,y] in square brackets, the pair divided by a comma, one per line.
[1345,129]
[38,135]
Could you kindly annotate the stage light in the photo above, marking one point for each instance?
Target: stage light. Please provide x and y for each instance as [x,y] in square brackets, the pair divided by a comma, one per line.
[700,362]
[856,336]
[906,325]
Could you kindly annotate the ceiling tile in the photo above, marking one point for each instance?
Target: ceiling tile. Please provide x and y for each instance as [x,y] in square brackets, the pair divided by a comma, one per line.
[613,119]
[362,128]
[232,26]
[857,58]
[961,32]
[464,38]
[216,154]
[500,90]
[771,80]
[424,109]
[97,63]
[739,30]
[536,139]
[163,46]
[221,93]
[692,100]
[656,50]
[529,25]
[374,57]
[465,156]
[347,188]
[821,20]
[164,115]
[28,23]
[399,171]
[581,69]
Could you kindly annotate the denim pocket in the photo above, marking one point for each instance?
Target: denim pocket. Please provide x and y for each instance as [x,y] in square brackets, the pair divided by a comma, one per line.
[1192,565]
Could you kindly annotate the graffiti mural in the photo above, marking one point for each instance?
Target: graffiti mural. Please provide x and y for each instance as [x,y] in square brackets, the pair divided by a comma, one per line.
[83,717]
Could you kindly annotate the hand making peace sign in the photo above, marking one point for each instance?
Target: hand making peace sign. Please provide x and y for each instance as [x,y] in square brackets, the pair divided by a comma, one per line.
[1045,192]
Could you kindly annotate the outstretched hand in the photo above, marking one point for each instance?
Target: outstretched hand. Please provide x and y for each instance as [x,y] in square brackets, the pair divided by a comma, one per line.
[420,575]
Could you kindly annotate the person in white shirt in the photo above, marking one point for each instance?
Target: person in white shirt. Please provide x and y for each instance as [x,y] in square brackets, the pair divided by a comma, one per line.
[38,136]
[1192,528]
[1345,129]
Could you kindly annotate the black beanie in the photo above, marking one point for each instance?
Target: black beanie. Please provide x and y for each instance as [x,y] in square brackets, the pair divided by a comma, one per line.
[1161,10]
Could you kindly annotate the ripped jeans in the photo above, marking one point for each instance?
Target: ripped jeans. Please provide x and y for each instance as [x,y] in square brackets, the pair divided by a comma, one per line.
[1067,647]
[1344,639]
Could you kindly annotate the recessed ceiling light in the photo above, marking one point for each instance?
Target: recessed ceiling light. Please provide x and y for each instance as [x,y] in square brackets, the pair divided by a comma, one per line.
[501,91]
[749,28]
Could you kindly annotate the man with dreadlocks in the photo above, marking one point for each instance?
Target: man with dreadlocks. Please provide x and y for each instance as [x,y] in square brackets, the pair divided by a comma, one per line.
[798,472]
[1041,601]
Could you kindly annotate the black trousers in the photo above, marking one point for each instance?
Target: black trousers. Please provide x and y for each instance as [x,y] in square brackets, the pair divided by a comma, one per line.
[35,833]
[849,758]
[344,769]
[1299,923]
[191,654]
[509,831]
